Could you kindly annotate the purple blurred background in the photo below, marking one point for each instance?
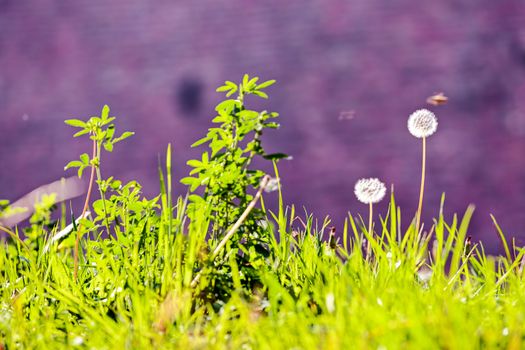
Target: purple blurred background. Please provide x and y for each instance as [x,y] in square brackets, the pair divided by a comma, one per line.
[157,64]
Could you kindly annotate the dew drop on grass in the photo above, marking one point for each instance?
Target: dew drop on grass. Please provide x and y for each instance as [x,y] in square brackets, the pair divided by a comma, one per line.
[330,302]
[77,341]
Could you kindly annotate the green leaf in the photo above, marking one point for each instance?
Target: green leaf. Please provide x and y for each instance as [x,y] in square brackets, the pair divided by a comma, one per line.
[75,123]
[188,180]
[216,146]
[73,164]
[194,186]
[110,132]
[84,158]
[245,80]
[249,114]
[223,88]
[124,136]
[115,185]
[205,159]
[193,182]
[196,198]
[105,112]
[108,146]
[272,125]
[87,224]
[98,207]
[265,84]
[81,132]
[251,83]
[80,171]
[226,106]
[108,120]
[200,142]
[260,94]
[218,119]
[194,163]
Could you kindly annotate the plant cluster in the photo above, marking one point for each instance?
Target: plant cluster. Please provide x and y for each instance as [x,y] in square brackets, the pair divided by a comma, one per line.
[215,269]
[224,175]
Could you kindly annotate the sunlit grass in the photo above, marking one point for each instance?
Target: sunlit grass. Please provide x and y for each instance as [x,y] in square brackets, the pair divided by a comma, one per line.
[138,294]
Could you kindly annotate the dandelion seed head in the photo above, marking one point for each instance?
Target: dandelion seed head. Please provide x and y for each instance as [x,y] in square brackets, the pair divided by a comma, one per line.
[422,123]
[370,190]
[424,274]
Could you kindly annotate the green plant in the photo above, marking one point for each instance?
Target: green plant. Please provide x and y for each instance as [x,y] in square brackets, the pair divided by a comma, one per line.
[101,131]
[225,174]
[156,281]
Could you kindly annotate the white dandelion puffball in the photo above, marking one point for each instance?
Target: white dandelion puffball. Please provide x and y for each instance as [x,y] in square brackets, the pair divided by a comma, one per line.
[369,190]
[422,123]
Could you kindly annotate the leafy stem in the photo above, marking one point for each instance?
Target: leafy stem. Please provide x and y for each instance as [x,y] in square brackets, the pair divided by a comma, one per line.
[101,131]
[101,189]
[226,172]
[84,210]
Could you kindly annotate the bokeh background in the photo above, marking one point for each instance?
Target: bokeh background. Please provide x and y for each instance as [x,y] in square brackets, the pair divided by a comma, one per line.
[349,73]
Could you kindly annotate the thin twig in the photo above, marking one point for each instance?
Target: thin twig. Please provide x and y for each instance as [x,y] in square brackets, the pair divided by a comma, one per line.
[235,226]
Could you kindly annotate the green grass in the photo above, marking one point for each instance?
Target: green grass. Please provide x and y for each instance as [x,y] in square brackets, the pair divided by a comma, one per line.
[134,290]
[158,273]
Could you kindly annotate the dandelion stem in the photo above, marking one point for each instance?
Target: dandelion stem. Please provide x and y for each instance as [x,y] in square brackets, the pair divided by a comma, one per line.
[370,228]
[422,188]
[370,215]
[235,226]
